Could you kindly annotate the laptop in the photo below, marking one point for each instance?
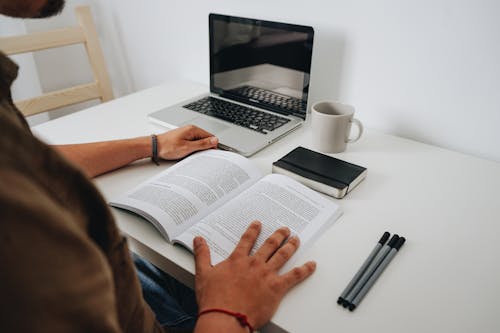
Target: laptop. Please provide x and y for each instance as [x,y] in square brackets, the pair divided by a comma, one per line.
[259,83]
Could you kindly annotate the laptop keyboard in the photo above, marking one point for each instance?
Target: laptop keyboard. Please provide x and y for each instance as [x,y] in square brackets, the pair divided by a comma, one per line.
[271,98]
[237,114]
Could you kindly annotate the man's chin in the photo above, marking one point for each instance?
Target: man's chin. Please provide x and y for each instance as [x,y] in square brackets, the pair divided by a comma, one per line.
[31,8]
[50,8]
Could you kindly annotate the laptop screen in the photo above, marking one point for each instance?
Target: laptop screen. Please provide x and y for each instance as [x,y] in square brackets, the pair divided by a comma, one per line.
[261,63]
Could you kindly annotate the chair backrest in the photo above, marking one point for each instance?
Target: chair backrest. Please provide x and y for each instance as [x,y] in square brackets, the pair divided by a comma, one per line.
[84,33]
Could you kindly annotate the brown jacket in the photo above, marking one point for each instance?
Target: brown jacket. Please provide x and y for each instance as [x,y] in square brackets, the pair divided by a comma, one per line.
[64,267]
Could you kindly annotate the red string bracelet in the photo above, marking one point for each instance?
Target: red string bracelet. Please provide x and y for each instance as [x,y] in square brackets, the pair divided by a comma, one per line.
[239,316]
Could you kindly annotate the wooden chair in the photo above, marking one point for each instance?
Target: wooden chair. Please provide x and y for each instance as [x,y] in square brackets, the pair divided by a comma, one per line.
[84,33]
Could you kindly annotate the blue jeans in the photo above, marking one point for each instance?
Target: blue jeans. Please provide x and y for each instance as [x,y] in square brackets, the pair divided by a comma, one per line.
[173,303]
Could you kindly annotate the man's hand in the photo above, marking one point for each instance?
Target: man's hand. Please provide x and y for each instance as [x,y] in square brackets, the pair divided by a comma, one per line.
[244,283]
[183,141]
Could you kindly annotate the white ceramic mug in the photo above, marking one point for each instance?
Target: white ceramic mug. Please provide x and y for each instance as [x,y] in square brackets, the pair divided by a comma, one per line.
[331,126]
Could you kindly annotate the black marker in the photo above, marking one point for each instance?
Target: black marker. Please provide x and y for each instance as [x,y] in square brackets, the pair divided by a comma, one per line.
[369,271]
[377,273]
[363,267]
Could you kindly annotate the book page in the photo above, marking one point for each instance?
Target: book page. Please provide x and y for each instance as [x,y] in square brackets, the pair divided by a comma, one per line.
[180,196]
[276,201]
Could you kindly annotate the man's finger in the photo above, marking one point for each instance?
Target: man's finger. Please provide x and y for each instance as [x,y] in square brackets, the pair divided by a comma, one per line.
[202,144]
[247,240]
[272,243]
[193,133]
[280,257]
[201,255]
[298,274]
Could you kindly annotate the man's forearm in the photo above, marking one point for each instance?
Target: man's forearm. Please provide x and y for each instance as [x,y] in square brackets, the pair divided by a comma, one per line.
[100,157]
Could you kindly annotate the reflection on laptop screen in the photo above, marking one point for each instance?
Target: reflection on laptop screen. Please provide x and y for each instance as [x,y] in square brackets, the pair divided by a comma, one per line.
[266,64]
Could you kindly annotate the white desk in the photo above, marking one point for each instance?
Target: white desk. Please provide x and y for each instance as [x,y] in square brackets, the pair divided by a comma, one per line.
[445,279]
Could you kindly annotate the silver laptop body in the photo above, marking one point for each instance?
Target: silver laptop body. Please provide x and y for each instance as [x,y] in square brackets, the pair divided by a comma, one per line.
[259,81]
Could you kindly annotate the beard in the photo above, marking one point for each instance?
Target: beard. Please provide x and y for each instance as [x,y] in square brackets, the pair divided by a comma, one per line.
[50,8]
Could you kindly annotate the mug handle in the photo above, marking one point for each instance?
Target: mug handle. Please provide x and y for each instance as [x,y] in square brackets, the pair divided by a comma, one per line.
[360,130]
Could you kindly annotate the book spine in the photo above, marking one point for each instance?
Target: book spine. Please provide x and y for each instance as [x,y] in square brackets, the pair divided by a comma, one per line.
[317,186]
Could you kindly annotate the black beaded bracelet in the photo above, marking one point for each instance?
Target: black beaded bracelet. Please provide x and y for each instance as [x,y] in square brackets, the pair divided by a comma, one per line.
[154,146]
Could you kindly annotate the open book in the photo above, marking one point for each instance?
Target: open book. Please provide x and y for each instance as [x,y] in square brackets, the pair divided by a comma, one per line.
[217,194]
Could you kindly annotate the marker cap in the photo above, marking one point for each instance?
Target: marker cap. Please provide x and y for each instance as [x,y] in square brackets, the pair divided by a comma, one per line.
[384,238]
[399,243]
[393,240]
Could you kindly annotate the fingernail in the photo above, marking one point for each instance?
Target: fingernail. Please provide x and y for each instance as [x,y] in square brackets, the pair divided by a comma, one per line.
[197,241]
[214,140]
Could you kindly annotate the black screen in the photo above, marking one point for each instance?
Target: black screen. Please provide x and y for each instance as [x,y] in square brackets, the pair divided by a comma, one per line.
[262,63]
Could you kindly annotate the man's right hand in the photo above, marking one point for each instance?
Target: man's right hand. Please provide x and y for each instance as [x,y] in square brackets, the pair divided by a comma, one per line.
[245,283]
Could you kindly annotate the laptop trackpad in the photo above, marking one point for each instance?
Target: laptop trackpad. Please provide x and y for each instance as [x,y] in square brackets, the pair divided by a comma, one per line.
[208,125]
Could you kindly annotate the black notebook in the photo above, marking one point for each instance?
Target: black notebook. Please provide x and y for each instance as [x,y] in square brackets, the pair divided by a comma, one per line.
[320,172]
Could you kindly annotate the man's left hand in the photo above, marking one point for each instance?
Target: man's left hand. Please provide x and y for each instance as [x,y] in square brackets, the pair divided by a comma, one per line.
[183,141]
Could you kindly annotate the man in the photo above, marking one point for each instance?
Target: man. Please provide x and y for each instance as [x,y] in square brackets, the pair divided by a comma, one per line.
[64,265]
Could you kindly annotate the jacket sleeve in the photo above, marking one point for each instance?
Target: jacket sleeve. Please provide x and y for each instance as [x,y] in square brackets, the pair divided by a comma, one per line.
[54,278]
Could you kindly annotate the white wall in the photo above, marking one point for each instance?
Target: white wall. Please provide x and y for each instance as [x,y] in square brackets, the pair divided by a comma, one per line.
[427,70]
